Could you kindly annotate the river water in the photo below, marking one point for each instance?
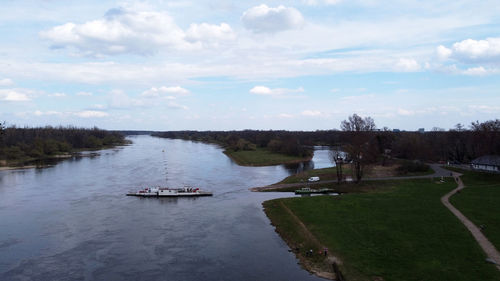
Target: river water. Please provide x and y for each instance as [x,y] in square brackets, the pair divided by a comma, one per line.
[72,221]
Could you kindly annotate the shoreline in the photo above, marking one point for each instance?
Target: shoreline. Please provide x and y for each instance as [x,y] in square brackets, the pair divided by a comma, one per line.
[5,166]
[324,267]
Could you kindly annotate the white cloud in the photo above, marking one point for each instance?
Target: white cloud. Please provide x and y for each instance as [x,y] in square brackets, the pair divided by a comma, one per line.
[263,90]
[134,30]
[15,95]
[210,33]
[57,95]
[407,65]
[405,112]
[91,114]
[471,51]
[321,2]
[99,106]
[6,82]
[488,109]
[477,50]
[285,115]
[312,113]
[161,91]
[119,99]
[268,19]
[443,53]
[47,113]
[476,71]
[84,94]
[177,106]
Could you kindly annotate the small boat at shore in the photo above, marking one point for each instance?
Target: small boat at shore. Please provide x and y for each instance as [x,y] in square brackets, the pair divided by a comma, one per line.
[307,190]
[170,192]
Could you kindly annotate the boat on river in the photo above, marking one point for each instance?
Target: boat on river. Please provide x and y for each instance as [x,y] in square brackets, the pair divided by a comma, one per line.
[307,190]
[170,192]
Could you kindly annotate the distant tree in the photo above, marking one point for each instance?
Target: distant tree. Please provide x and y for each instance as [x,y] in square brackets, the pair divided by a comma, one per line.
[2,131]
[357,124]
[337,158]
[359,147]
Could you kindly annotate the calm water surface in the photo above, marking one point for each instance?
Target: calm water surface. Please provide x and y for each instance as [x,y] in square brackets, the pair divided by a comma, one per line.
[73,222]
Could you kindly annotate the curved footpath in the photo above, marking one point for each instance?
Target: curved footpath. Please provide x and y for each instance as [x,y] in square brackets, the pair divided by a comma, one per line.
[488,248]
[438,172]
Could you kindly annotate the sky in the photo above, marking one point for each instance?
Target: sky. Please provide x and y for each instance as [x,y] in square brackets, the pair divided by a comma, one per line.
[233,65]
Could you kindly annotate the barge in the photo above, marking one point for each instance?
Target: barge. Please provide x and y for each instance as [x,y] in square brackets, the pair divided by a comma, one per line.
[170,192]
[307,190]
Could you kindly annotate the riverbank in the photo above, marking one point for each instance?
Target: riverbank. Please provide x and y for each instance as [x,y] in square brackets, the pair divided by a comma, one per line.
[26,163]
[398,231]
[262,157]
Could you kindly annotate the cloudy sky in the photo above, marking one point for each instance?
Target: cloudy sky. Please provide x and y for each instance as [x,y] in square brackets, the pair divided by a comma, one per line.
[221,65]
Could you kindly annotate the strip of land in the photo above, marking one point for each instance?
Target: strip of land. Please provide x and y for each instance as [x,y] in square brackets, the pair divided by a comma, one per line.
[328,179]
[262,157]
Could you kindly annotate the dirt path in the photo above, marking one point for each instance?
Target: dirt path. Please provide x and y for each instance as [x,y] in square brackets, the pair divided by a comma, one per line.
[485,244]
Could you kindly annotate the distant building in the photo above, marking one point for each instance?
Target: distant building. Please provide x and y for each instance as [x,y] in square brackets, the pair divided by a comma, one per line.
[396,130]
[421,130]
[489,163]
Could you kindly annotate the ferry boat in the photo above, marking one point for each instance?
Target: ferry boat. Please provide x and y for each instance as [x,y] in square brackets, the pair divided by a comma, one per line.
[170,192]
[307,190]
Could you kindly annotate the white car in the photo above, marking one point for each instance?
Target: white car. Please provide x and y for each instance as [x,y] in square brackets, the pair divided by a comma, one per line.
[313,179]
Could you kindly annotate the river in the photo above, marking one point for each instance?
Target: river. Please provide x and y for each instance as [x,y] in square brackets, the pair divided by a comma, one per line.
[72,221]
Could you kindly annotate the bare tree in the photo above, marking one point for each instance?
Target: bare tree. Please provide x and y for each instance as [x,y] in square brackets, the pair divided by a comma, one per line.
[336,156]
[359,148]
[2,131]
[357,124]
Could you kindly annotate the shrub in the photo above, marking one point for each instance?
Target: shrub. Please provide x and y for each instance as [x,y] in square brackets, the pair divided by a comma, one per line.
[412,167]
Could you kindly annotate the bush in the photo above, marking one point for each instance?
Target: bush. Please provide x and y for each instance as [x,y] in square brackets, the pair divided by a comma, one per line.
[13,153]
[412,167]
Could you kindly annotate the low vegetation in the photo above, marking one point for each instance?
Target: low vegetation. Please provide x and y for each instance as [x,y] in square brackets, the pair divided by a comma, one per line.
[262,157]
[22,144]
[399,232]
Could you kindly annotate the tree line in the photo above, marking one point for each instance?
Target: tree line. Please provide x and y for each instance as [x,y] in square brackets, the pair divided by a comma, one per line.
[284,142]
[39,142]
[362,143]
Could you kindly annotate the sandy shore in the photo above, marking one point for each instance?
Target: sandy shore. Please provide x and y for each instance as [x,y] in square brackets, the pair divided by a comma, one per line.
[17,168]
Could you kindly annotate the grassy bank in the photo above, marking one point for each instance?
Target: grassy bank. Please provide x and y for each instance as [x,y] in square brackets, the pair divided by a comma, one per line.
[261,157]
[480,202]
[402,232]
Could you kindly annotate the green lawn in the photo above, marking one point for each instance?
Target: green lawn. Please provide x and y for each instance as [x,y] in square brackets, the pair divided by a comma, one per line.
[261,157]
[400,233]
[480,202]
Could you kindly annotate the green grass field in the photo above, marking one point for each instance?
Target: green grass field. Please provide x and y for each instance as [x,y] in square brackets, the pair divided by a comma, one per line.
[400,233]
[480,202]
[261,157]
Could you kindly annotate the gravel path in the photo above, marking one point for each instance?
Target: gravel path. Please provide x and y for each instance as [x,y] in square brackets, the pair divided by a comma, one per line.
[488,248]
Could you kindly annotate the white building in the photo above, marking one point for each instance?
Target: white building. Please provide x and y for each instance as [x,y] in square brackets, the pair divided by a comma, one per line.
[489,163]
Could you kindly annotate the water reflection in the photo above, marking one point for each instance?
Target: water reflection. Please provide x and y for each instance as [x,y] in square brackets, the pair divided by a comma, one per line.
[295,168]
